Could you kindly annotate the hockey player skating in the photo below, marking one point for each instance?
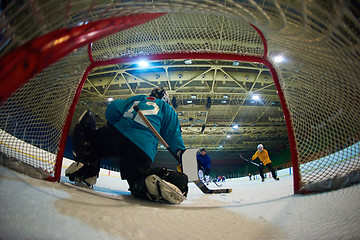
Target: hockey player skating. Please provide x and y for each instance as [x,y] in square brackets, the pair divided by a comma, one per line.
[204,165]
[263,155]
[127,139]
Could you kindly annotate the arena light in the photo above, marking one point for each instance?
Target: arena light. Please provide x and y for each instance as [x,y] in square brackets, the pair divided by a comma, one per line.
[221,146]
[235,126]
[228,136]
[143,63]
[256,97]
[83,23]
[278,58]
[188,61]
[110,99]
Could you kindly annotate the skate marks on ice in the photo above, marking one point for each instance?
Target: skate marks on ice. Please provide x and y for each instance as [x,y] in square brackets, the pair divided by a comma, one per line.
[92,191]
[132,218]
[83,214]
[28,212]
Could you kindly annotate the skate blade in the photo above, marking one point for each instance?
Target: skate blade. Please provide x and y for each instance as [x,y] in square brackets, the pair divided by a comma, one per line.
[89,182]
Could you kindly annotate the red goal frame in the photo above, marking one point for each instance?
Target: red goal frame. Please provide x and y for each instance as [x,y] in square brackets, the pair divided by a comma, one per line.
[23,63]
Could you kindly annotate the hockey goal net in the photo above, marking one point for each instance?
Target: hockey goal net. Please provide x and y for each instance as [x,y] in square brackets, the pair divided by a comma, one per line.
[48,48]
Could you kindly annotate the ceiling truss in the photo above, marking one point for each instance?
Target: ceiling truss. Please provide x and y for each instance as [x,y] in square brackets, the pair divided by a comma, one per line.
[231,87]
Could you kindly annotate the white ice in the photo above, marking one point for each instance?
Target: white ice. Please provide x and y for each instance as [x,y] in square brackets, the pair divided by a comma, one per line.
[36,209]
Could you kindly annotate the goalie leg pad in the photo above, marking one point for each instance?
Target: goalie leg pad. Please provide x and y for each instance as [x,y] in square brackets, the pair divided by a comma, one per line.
[180,180]
[148,185]
[160,189]
[87,164]
[82,145]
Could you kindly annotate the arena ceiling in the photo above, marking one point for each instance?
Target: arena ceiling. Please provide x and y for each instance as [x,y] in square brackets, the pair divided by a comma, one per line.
[222,105]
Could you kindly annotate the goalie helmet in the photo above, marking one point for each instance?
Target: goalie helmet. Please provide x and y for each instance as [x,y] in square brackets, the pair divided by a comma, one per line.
[260,146]
[160,93]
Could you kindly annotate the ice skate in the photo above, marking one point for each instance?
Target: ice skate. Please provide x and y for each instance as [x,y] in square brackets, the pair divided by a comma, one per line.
[160,189]
[82,173]
[85,183]
[207,179]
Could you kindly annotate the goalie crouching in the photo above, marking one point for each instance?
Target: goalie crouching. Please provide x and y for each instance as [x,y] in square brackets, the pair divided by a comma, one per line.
[127,139]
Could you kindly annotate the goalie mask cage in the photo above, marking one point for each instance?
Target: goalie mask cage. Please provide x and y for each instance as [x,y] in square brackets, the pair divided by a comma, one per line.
[48,48]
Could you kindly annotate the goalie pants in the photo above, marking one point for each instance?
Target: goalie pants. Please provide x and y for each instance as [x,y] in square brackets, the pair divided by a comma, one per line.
[135,164]
[269,166]
[108,142]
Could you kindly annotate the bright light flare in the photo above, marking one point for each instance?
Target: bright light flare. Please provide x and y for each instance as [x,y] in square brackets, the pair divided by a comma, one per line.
[279,58]
[143,63]
[256,97]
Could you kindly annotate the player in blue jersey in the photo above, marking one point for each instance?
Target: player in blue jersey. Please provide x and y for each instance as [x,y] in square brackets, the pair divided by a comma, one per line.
[204,165]
[131,142]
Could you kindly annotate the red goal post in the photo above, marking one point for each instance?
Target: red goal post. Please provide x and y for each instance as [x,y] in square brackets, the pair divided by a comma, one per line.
[82,35]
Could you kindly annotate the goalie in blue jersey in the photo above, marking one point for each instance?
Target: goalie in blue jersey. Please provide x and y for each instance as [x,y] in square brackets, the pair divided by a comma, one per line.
[128,139]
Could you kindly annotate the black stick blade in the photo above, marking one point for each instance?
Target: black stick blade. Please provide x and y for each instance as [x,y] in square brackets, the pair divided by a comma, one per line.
[206,190]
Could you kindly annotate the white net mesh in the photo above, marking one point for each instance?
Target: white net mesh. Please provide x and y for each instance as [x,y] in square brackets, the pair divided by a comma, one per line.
[182,32]
[319,76]
[32,120]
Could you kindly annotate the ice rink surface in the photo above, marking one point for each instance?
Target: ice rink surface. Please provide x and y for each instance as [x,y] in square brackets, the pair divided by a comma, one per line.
[36,209]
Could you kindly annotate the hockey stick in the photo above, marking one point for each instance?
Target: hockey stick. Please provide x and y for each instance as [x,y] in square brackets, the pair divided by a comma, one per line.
[136,108]
[198,182]
[248,160]
[214,181]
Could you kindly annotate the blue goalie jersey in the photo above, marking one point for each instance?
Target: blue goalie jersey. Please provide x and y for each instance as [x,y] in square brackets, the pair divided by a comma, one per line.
[161,115]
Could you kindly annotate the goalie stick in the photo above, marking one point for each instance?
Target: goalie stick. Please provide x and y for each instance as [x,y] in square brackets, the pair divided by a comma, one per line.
[198,182]
[248,160]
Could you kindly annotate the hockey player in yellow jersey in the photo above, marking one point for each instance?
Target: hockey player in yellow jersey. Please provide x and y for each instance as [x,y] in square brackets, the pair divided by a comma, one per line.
[263,155]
